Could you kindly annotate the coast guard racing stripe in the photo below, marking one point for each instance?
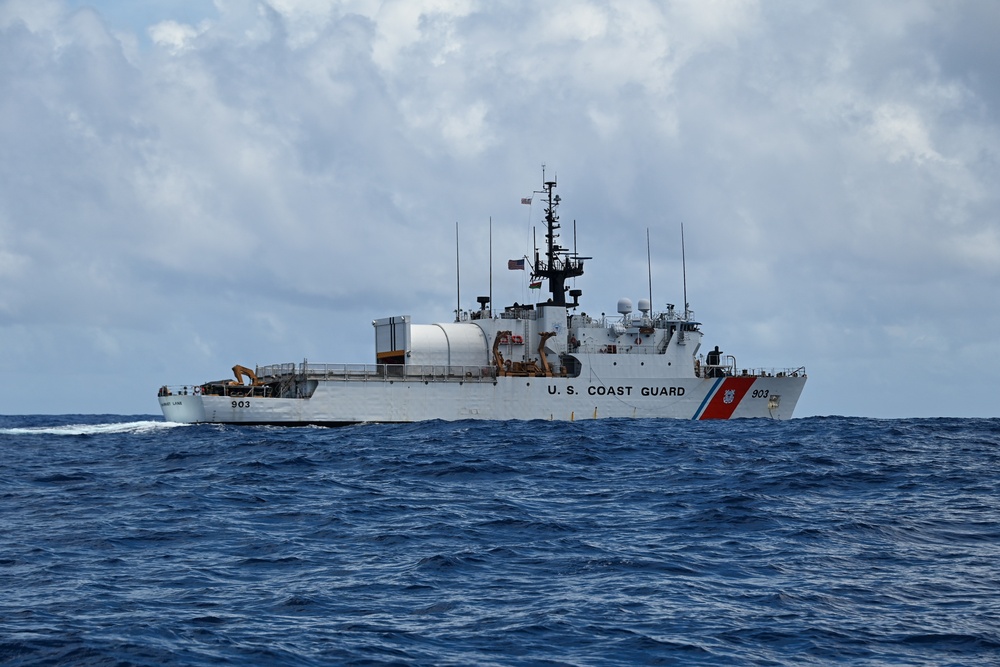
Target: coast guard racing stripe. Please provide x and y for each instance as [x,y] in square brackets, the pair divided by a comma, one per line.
[723,403]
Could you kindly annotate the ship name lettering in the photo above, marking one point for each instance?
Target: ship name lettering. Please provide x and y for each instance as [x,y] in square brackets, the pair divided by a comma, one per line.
[662,391]
[601,390]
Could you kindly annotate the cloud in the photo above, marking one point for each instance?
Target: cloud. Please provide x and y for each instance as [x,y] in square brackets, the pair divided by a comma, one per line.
[255,181]
[173,36]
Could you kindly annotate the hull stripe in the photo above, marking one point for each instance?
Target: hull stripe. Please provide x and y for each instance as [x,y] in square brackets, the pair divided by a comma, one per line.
[727,398]
[708,397]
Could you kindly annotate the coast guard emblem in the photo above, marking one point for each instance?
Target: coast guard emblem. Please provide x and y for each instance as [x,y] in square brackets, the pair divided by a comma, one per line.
[729,397]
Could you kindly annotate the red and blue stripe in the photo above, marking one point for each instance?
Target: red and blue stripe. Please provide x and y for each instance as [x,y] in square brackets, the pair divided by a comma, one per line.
[715,405]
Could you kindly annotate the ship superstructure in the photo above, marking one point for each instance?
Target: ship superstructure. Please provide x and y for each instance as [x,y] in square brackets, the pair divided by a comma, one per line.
[527,361]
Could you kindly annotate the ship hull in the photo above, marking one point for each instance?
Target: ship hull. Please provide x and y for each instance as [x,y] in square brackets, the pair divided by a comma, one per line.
[342,402]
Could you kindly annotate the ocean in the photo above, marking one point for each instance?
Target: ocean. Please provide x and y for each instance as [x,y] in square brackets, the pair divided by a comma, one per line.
[125,540]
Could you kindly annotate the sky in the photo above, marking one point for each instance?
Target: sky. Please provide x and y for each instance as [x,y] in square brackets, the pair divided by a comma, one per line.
[188,185]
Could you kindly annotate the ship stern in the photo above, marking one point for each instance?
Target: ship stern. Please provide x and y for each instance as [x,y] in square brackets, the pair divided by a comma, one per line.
[182,407]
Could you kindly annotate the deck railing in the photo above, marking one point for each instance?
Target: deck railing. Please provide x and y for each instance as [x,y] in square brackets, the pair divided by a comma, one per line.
[395,372]
[378,372]
[772,372]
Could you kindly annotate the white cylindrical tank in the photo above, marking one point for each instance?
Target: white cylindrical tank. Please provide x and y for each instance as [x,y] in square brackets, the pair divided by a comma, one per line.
[453,344]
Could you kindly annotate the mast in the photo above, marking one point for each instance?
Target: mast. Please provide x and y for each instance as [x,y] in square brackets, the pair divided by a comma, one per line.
[559,264]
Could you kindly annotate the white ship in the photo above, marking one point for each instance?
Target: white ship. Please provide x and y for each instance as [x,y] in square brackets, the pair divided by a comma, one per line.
[538,361]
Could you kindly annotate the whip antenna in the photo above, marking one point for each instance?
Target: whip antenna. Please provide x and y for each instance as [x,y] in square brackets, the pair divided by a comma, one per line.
[649,269]
[684,272]
[491,266]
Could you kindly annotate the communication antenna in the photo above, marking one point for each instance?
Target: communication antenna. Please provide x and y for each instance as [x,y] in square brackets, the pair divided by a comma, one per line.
[649,269]
[491,266]
[684,271]
[458,279]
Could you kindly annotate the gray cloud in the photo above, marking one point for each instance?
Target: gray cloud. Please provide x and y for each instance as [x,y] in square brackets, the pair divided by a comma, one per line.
[254,182]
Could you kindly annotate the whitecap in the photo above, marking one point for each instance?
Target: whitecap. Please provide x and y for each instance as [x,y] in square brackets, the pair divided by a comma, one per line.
[94,429]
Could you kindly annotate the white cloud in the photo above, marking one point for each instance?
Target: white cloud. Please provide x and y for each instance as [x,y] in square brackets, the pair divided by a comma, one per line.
[258,183]
[405,23]
[172,35]
[899,133]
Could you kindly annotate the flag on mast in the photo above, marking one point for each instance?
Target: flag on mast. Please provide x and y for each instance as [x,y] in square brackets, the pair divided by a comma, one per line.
[526,200]
[515,264]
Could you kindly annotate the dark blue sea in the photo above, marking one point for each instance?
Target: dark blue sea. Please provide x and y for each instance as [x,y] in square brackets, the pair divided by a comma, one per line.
[128,541]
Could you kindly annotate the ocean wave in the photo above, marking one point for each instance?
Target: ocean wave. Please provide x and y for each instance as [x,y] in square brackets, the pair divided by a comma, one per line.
[621,542]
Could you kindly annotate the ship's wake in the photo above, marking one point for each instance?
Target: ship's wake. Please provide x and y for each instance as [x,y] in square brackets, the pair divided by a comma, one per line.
[137,427]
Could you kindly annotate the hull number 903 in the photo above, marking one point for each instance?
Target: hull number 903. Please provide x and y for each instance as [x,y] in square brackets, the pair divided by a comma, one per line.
[241,404]
[759,393]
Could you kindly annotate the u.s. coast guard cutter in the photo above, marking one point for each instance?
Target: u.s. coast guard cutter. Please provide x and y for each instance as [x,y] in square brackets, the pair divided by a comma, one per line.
[539,361]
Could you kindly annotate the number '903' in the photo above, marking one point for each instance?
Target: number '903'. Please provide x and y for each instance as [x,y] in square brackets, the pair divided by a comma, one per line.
[241,404]
[759,393]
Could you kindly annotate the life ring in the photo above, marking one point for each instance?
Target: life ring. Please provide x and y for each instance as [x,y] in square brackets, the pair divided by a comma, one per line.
[197,390]
[517,340]
[638,341]
[505,340]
